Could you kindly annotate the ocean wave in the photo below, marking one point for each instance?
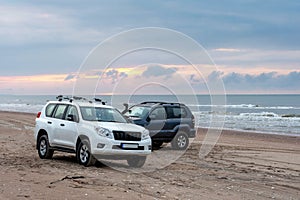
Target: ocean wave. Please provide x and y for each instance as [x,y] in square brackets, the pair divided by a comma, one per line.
[21,107]
[247,106]
[291,116]
[261,114]
[269,114]
[247,115]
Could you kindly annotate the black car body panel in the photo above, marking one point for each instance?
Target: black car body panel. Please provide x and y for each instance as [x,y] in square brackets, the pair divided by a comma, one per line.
[163,119]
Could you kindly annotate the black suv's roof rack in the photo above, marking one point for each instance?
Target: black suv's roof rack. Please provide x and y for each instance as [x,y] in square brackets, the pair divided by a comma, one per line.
[160,103]
[153,102]
[77,98]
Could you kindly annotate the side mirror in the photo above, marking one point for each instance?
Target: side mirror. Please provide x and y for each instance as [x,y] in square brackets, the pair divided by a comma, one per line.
[151,117]
[126,105]
[72,118]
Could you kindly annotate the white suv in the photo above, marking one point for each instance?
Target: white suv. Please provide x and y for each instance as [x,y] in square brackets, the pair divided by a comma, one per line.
[91,130]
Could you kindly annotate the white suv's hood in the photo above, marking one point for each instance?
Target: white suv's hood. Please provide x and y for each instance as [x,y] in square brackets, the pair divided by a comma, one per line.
[127,127]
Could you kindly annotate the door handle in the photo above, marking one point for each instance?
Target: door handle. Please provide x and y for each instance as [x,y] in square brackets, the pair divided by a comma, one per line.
[49,122]
[62,124]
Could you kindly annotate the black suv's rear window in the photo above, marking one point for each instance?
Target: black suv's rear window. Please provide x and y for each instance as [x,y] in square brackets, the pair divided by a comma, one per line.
[176,112]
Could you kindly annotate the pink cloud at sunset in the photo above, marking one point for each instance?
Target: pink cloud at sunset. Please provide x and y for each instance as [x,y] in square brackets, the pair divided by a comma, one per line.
[35,84]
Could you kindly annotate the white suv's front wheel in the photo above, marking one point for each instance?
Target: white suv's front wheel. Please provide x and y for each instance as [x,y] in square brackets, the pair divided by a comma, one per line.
[83,154]
[136,161]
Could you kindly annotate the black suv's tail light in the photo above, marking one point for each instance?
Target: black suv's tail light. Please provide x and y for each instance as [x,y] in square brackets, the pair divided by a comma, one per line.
[193,120]
[38,115]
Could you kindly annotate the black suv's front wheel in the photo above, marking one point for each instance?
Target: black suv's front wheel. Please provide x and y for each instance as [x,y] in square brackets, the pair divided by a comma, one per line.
[180,141]
[83,154]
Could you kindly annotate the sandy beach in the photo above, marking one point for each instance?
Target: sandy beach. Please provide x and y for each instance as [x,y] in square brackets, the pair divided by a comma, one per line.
[243,165]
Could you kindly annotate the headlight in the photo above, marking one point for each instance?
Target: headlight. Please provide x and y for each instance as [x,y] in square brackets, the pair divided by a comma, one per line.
[104,132]
[145,135]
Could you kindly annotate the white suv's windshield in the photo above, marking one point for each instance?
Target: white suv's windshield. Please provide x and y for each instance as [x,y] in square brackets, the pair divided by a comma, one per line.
[102,114]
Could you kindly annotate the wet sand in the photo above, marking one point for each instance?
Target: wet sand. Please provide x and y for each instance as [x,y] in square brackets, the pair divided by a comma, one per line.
[242,165]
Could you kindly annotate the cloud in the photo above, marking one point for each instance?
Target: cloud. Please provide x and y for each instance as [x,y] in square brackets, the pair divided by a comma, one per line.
[29,25]
[245,37]
[194,79]
[158,71]
[227,50]
[114,75]
[70,77]
[214,75]
[263,82]
[36,84]
[256,58]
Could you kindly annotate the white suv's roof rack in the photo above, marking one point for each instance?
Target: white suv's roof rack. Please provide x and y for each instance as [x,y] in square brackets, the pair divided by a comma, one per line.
[77,98]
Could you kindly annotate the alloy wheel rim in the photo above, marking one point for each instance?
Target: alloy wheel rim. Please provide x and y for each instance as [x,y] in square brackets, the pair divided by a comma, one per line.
[181,141]
[43,147]
[84,154]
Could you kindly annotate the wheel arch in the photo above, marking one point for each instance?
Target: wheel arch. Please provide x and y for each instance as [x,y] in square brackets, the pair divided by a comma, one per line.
[82,138]
[182,128]
[40,133]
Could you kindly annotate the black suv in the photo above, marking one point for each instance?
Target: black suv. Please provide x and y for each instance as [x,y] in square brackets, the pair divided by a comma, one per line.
[167,122]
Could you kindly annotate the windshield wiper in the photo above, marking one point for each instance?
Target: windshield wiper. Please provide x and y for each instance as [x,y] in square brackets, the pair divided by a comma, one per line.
[101,120]
[134,116]
[116,121]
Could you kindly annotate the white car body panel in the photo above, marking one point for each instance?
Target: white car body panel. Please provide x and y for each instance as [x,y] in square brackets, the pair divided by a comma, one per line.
[64,134]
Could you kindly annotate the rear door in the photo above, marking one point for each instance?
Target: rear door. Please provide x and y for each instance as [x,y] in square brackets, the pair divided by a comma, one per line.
[58,124]
[176,116]
[68,127]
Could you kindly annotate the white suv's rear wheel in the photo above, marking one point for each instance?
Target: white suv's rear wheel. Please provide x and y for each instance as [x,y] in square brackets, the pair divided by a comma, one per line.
[83,154]
[44,148]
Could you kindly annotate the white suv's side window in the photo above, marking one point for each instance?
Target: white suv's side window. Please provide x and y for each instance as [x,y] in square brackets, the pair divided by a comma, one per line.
[72,111]
[60,110]
[49,109]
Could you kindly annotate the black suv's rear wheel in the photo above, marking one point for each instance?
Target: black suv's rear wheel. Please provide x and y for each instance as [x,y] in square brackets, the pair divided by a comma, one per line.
[180,141]
[83,154]
[44,148]
[136,161]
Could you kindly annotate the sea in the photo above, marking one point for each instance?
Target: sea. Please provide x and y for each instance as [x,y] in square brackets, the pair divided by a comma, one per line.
[276,114]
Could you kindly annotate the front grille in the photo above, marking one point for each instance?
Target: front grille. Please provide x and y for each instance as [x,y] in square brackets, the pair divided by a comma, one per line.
[127,136]
[118,147]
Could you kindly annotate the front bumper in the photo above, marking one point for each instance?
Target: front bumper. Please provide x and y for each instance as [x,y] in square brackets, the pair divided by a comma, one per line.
[112,147]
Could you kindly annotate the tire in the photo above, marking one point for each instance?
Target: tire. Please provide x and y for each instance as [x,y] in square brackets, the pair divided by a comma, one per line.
[83,154]
[43,147]
[136,161]
[180,141]
[156,144]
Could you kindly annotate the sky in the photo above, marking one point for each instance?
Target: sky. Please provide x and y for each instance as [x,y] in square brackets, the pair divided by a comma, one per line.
[254,46]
